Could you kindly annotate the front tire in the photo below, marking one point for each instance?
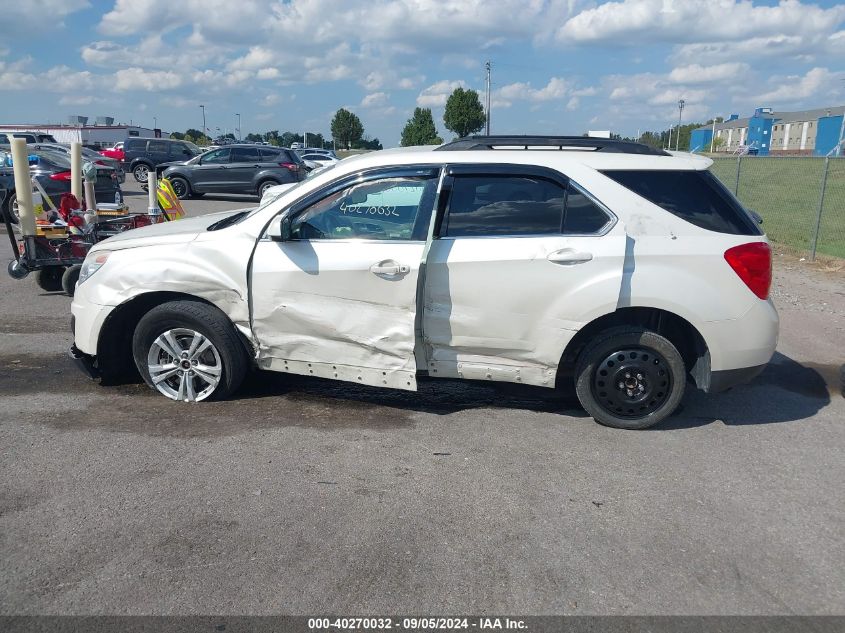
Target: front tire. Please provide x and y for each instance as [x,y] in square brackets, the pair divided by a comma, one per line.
[180,187]
[189,351]
[630,378]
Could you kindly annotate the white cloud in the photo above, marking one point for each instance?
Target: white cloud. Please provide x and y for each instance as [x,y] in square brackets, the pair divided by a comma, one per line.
[270,100]
[795,88]
[437,94]
[268,73]
[22,15]
[698,74]
[150,81]
[374,100]
[634,21]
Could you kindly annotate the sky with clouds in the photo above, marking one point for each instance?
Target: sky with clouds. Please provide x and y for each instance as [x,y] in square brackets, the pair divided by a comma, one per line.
[559,66]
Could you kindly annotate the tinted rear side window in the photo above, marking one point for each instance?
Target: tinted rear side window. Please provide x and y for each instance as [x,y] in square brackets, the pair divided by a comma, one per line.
[504,205]
[245,155]
[135,145]
[695,196]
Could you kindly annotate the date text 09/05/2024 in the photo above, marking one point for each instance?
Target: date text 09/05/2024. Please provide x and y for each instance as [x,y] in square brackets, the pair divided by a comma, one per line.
[416,623]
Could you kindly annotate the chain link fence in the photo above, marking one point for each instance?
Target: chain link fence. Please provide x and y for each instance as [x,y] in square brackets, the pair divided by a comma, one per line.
[801,199]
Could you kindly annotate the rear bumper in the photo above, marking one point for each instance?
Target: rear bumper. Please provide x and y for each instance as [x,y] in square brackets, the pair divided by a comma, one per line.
[728,378]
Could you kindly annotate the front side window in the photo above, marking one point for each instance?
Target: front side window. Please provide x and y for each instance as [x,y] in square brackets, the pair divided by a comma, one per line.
[504,205]
[385,209]
[216,157]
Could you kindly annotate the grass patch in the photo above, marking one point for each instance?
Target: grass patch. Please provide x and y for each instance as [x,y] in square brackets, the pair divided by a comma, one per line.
[785,192]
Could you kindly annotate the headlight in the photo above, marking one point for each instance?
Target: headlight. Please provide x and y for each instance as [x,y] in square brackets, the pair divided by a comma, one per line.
[92,264]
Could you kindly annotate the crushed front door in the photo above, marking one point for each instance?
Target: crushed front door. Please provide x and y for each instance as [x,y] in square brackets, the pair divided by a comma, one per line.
[337,297]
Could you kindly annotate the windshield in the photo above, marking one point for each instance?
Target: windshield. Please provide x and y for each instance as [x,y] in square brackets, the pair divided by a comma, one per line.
[269,199]
[194,148]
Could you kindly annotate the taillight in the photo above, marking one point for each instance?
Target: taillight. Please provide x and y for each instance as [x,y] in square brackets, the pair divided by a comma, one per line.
[61,175]
[291,166]
[753,263]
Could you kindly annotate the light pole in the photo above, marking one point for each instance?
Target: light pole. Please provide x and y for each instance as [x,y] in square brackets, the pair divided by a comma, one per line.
[681,104]
[202,107]
[238,114]
[155,123]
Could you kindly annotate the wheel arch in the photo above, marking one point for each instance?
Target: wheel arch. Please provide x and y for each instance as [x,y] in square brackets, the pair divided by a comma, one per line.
[114,344]
[680,332]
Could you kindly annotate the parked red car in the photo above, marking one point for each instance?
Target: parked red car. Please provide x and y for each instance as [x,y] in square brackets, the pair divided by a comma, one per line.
[114,152]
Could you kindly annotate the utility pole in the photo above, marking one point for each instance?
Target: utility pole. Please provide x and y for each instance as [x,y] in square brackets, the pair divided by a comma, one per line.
[713,135]
[487,67]
[237,114]
[155,123]
[681,104]
[202,107]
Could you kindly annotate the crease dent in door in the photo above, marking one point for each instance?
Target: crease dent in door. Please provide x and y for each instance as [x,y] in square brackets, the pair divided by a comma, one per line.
[337,327]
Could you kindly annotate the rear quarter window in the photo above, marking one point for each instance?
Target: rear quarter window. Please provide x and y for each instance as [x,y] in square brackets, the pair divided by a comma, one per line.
[695,196]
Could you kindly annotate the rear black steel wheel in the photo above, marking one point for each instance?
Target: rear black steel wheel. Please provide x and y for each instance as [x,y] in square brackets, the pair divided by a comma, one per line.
[630,378]
[180,187]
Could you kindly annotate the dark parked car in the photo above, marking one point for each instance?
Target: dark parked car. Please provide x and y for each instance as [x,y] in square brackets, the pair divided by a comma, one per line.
[52,171]
[240,168]
[31,137]
[89,155]
[143,154]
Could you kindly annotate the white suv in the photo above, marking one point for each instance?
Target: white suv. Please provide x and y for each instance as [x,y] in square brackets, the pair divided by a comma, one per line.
[606,266]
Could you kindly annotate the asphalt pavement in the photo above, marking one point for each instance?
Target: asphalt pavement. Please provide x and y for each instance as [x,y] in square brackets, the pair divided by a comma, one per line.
[307,496]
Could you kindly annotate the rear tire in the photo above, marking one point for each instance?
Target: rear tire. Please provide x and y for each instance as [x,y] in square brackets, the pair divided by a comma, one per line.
[187,350]
[264,185]
[69,279]
[49,278]
[10,209]
[140,172]
[630,378]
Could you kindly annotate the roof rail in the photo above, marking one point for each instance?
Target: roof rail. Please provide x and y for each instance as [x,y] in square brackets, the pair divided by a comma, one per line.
[559,142]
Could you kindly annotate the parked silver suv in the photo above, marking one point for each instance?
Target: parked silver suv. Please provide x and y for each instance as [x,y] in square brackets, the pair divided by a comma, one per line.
[619,270]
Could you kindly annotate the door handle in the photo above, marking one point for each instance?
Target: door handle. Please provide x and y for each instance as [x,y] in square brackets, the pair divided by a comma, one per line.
[389,267]
[569,256]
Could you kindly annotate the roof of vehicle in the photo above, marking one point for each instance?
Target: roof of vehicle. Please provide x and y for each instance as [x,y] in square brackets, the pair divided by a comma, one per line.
[578,143]
[557,159]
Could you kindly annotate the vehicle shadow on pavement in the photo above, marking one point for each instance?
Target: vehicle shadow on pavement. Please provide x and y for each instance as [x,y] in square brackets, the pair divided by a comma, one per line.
[440,396]
[786,391]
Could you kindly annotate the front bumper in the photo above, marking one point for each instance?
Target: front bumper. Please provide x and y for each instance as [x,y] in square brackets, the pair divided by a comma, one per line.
[85,362]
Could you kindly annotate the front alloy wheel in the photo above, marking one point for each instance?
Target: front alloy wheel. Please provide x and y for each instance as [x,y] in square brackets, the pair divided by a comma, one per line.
[184,365]
[141,173]
[189,351]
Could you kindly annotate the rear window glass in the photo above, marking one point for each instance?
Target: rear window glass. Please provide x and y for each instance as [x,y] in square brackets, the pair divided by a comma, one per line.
[695,196]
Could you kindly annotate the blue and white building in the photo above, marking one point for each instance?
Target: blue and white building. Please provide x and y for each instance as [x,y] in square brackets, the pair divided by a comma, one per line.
[817,132]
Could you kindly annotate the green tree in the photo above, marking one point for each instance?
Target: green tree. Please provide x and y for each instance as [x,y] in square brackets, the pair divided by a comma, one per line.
[464,113]
[177,135]
[252,137]
[346,127]
[420,130]
[367,143]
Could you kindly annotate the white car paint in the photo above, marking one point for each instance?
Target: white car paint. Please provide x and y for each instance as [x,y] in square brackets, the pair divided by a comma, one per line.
[497,309]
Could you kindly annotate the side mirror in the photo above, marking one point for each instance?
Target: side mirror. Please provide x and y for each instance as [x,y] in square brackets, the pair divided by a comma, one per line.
[281,231]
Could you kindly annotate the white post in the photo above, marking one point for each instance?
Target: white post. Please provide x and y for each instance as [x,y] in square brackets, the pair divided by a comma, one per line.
[713,135]
[152,187]
[23,186]
[76,169]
